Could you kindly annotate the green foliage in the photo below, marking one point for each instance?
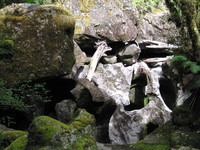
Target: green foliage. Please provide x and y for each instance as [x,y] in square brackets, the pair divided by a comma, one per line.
[22,98]
[145,5]
[184,65]
[6,47]
[8,100]
[146,101]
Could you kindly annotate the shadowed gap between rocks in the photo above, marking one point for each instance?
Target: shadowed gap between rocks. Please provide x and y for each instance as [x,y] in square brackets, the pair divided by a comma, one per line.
[58,89]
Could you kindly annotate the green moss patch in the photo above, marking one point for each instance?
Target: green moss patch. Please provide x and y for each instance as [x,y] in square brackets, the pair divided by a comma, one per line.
[142,146]
[18,144]
[7,137]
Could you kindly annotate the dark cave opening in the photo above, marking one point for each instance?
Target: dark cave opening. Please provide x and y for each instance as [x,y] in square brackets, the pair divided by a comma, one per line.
[168,92]
[58,89]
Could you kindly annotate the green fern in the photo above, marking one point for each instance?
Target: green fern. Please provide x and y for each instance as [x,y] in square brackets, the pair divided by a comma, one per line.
[184,66]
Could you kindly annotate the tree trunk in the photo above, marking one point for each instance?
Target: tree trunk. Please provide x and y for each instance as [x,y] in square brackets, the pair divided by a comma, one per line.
[190,11]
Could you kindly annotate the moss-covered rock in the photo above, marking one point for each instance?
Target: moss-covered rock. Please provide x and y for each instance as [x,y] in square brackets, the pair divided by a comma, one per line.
[143,146]
[7,137]
[173,135]
[35,40]
[19,144]
[47,133]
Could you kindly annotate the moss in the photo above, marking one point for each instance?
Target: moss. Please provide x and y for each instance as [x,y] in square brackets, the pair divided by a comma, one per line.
[7,137]
[65,23]
[48,127]
[19,144]
[185,138]
[84,143]
[142,146]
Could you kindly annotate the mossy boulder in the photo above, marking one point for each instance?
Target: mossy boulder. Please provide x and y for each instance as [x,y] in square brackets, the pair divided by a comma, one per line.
[19,144]
[7,137]
[173,136]
[48,133]
[35,40]
[143,146]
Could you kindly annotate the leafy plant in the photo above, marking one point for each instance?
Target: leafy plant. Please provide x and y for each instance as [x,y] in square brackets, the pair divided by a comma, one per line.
[145,5]
[8,100]
[22,98]
[184,66]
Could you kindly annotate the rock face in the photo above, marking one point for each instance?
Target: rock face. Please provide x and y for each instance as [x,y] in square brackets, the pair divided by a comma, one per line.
[156,26]
[101,19]
[37,41]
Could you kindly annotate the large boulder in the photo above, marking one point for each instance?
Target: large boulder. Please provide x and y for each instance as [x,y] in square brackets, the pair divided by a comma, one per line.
[48,133]
[156,25]
[35,41]
[102,19]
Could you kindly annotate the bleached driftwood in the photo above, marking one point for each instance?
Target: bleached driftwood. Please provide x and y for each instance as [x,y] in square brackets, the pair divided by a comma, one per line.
[157,44]
[102,47]
[161,59]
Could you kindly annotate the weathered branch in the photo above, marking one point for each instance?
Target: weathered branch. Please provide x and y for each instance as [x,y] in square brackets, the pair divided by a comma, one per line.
[161,59]
[101,49]
[157,44]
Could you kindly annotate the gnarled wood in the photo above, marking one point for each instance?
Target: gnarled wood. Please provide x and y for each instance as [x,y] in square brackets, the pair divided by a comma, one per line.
[101,49]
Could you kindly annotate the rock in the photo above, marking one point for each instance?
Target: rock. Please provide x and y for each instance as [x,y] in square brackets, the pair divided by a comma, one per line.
[4,128]
[19,143]
[125,127]
[38,42]
[114,81]
[7,137]
[130,54]
[102,19]
[80,60]
[156,26]
[109,59]
[65,110]
[48,133]
[170,134]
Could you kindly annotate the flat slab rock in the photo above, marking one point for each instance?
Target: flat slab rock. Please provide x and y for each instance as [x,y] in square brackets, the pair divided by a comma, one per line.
[114,81]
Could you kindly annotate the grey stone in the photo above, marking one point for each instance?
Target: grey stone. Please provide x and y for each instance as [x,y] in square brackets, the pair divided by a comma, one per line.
[130,54]
[65,110]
